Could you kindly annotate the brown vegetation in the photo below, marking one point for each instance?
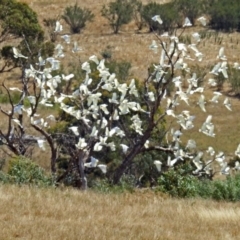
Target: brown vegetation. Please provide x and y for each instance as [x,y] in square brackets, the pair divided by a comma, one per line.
[30,213]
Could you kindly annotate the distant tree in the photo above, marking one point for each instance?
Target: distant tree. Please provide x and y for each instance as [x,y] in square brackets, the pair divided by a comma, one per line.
[118,13]
[190,8]
[234,80]
[50,23]
[76,17]
[18,20]
[137,15]
[224,15]
[167,12]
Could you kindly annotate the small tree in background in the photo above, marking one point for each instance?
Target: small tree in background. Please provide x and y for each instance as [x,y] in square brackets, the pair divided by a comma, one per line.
[137,15]
[77,17]
[167,12]
[224,15]
[118,13]
[50,23]
[18,20]
[190,8]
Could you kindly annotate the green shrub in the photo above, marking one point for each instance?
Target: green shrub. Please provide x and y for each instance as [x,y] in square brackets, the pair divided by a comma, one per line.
[107,53]
[24,171]
[120,68]
[19,19]
[224,14]
[189,8]
[118,13]
[77,17]
[4,178]
[15,96]
[127,183]
[205,188]
[137,15]
[234,79]
[227,190]
[167,12]
[179,182]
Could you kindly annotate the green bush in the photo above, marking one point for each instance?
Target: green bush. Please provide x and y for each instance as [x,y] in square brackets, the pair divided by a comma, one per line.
[24,171]
[118,13]
[107,53]
[167,12]
[189,8]
[234,80]
[227,190]
[126,184]
[19,19]
[224,14]
[120,68]
[137,15]
[179,182]
[15,96]
[77,17]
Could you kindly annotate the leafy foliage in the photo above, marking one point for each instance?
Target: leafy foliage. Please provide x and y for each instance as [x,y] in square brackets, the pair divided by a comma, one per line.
[137,15]
[118,13]
[190,8]
[50,23]
[77,17]
[179,182]
[224,15]
[234,80]
[25,171]
[167,12]
[19,19]
[127,184]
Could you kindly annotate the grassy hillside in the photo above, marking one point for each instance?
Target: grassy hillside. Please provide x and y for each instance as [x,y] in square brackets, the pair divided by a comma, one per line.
[133,47]
[29,213]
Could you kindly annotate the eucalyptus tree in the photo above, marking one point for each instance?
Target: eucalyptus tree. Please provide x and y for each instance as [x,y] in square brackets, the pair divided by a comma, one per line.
[110,116]
[19,21]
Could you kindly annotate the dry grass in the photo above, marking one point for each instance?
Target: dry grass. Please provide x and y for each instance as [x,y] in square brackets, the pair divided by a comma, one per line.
[28,213]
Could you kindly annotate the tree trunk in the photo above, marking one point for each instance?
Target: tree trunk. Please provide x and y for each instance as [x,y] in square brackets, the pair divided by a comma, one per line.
[125,164]
[132,154]
[82,158]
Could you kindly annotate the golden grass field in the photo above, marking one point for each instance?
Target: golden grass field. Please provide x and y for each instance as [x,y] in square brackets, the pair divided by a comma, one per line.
[30,213]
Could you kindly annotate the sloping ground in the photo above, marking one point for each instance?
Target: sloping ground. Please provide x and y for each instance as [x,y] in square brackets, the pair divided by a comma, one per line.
[29,213]
[133,47]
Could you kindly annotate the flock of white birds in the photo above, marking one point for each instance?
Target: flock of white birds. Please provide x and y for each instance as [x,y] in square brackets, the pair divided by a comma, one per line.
[185,119]
[119,92]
